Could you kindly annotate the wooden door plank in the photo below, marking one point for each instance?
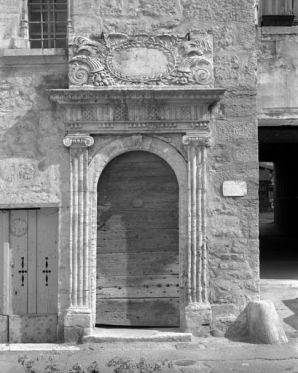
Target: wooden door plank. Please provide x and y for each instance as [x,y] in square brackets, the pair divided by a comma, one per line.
[136,264]
[2,240]
[267,6]
[47,260]
[6,285]
[32,264]
[146,240]
[138,312]
[137,286]
[150,206]
[18,227]
[295,8]
[288,6]
[4,264]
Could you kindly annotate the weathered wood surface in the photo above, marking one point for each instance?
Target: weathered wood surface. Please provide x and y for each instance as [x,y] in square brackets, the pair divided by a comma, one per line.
[276,6]
[129,240]
[137,242]
[137,286]
[4,264]
[47,260]
[138,263]
[31,239]
[18,229]
[145,312]
[32,261]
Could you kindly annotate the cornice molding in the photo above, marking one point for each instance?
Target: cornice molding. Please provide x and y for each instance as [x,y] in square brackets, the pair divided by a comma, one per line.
[101,94]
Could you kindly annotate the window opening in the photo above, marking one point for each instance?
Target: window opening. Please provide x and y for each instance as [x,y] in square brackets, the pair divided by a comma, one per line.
[280,11]
[47,23]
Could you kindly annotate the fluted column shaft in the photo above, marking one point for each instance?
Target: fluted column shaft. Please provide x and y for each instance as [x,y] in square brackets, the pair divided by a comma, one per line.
[79,211]
[197,259]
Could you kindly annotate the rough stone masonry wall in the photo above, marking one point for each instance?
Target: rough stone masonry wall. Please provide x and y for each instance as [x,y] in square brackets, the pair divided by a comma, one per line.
[278,74]
[232,222]
[34,164]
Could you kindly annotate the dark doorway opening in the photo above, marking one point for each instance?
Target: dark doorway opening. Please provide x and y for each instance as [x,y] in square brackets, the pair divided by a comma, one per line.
[278,197]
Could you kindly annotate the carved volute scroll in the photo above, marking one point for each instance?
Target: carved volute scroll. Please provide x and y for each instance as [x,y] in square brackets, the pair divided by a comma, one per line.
[141,59]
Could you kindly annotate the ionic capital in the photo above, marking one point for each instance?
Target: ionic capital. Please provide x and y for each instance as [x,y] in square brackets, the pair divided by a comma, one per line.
[196,139]
[78,140]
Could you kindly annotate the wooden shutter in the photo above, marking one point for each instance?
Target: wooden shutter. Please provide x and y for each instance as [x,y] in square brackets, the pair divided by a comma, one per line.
[28,261]
[276,6]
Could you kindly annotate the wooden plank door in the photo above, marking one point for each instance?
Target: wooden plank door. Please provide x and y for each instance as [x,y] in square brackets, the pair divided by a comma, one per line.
[29,261]
[137,242]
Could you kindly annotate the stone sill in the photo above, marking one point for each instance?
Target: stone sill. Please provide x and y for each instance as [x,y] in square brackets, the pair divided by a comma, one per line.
[277,122]
[279,30]
[33,56]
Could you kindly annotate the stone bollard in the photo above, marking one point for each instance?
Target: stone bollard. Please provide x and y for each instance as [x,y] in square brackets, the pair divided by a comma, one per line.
[264,325]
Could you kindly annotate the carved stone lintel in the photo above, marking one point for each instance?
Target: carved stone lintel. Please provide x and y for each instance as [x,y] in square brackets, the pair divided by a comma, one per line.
[197,139]
[78,140]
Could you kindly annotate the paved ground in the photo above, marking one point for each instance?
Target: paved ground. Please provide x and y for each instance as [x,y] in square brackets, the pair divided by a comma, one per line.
[203,355]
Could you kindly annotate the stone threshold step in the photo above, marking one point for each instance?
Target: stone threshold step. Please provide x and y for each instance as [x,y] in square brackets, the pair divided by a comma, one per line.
[100,335]
[36,347]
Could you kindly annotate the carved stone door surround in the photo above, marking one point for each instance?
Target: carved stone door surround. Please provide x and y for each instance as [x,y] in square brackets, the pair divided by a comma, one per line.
[139,92]
[94,140]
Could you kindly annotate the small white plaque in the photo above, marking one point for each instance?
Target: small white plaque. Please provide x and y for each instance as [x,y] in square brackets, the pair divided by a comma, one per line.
[234,188]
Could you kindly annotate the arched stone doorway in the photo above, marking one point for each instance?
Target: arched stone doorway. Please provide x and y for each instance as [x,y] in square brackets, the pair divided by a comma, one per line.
[94,143]
[137,280]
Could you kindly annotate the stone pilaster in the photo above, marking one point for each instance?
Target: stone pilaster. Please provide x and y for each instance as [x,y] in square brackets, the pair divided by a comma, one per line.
[198,310]
[79,312]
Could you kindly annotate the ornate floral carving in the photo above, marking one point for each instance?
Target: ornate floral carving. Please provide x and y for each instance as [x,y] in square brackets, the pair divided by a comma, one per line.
[119,59]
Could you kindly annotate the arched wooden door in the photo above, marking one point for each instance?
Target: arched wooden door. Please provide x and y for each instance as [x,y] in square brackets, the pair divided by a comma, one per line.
[137,242]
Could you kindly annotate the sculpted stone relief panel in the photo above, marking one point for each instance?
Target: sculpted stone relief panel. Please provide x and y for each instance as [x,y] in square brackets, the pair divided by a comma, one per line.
[162,60]
[21,181]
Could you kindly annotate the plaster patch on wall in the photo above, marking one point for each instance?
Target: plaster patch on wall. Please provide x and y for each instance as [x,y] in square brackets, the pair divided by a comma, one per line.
[234,188]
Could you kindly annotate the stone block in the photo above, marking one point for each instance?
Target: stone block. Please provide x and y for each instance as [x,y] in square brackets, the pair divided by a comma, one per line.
[33,328]
[78,316]
[198,318]
[223,309]
[264,324]
[234,188]
[223,316]
[3,329]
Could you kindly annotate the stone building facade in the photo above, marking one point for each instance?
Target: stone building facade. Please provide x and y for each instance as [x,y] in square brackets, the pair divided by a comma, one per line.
[176,79]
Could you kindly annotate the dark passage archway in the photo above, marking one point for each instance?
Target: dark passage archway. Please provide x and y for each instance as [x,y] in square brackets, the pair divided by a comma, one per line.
[278,146]
[138,242]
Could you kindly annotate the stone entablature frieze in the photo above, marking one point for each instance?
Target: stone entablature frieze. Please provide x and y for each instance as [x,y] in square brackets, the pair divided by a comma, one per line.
[142,59]
[143,110]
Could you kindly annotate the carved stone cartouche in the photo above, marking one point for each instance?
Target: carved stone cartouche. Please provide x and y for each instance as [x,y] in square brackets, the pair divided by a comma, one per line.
[162,60]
